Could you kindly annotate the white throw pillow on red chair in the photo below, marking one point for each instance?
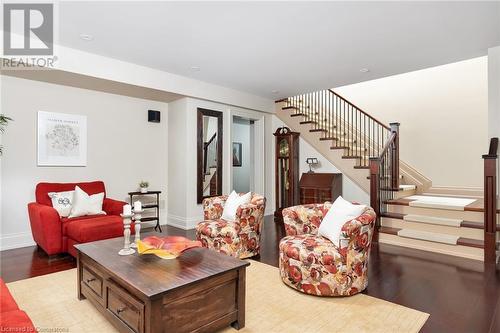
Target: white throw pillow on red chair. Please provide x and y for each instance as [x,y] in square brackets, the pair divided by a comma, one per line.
[84,204]
[62,202]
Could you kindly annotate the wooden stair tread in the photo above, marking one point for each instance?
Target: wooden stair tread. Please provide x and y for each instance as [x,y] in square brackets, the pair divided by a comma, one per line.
[361,167]
[389,230]
[353,157]
[297,114]
[308,122]
[470,242]
[318,130]
[290,107]
[393,215]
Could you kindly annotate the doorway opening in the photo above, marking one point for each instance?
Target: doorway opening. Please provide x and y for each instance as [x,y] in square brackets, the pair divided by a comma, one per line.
[243,154]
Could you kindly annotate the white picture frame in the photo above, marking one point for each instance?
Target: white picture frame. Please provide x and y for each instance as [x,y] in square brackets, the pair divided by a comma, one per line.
[61,139]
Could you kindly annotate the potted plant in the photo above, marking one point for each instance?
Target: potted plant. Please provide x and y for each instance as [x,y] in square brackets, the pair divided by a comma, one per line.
[4,120]
[144,186]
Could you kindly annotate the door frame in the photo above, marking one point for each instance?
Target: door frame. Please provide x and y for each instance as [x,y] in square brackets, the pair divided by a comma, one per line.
[258,147]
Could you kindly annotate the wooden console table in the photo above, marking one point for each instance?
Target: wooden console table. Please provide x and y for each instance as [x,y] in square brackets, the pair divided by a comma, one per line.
[155,205]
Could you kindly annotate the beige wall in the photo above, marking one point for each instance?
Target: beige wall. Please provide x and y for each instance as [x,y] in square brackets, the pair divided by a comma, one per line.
[443,113]
[123,147]
[494,96]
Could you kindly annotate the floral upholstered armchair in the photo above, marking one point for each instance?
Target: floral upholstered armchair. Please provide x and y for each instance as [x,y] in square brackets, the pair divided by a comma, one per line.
[314,265]
[239,238]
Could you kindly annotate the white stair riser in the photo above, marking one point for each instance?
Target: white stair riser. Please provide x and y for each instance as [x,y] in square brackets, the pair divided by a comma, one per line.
[454,250]
[454,214]
[462,232]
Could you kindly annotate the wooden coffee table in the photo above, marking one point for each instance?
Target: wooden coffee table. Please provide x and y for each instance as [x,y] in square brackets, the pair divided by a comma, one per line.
[201,291]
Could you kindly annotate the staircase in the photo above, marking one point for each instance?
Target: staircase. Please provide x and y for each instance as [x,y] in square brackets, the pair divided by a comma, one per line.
[210,166]
[411,213]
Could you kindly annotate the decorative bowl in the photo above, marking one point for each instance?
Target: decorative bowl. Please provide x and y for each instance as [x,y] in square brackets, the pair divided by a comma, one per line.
[169,247]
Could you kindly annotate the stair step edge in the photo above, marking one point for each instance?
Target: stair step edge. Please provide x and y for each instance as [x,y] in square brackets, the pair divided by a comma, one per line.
[445,239]
[463,224]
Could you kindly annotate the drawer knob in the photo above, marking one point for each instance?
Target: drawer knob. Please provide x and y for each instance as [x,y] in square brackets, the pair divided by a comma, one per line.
[120,310]
[90,280]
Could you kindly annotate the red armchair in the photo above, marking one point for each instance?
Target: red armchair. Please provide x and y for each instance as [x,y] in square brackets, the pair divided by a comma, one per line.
[12,319]
[58,235]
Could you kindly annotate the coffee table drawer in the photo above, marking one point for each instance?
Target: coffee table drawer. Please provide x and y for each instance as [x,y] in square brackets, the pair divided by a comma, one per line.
[92,280]
[125,307]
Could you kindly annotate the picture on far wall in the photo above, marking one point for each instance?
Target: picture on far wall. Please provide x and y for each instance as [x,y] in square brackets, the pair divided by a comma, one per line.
[62,139]
[236,154]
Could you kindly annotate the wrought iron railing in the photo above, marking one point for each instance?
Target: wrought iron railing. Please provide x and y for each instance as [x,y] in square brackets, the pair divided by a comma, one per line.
[373,144]
[348,127]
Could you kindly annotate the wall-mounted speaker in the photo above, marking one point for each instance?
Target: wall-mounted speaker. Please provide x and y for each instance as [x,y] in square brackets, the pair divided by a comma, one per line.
[153,116]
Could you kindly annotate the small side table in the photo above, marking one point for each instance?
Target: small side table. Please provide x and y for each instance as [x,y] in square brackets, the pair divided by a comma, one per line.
[155,205]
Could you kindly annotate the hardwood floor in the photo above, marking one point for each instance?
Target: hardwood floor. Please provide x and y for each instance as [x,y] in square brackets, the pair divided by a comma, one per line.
[459,294]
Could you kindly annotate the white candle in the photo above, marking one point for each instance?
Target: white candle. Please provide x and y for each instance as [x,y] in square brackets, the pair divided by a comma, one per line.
[127,210]
[137,206]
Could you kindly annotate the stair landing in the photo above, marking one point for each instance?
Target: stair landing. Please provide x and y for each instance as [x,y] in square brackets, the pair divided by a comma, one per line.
[455,229]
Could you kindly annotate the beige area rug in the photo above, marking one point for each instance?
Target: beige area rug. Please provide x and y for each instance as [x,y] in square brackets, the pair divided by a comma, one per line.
[51,302]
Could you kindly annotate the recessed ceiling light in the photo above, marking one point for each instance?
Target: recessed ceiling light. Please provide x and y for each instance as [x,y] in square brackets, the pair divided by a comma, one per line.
[364,70]
[86,37]
[275,91]
[195,68]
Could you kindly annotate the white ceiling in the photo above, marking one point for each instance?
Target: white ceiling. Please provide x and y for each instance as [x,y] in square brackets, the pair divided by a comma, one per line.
[291,47]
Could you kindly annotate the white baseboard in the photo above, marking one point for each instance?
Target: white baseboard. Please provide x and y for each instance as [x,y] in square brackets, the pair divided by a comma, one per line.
[269,211]
[183,222]
[16,240]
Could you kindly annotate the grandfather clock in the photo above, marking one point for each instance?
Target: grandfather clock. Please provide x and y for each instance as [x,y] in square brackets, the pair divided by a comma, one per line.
[287,170]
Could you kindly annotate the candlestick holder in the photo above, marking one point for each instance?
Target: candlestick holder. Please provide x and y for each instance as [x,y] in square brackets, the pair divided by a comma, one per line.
[137,226]
[127,250]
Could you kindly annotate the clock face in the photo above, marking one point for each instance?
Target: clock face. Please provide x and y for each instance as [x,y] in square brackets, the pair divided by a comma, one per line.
[283,148]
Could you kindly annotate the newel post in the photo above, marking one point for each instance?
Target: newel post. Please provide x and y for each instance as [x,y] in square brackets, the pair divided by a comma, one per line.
[375,192]
[490,207]
[395,157]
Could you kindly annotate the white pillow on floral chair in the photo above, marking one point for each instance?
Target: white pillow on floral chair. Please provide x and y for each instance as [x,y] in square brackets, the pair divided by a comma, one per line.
[234,200]
[340,212]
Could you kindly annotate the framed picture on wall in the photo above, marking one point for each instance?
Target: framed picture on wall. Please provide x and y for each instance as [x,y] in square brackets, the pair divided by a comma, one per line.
[61,139]
[236,154]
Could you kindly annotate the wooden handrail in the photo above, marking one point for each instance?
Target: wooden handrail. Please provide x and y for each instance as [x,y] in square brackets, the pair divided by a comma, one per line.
[490,202]
[210,141]
[205,149]
[493,151]
[360,110]
[387,144]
